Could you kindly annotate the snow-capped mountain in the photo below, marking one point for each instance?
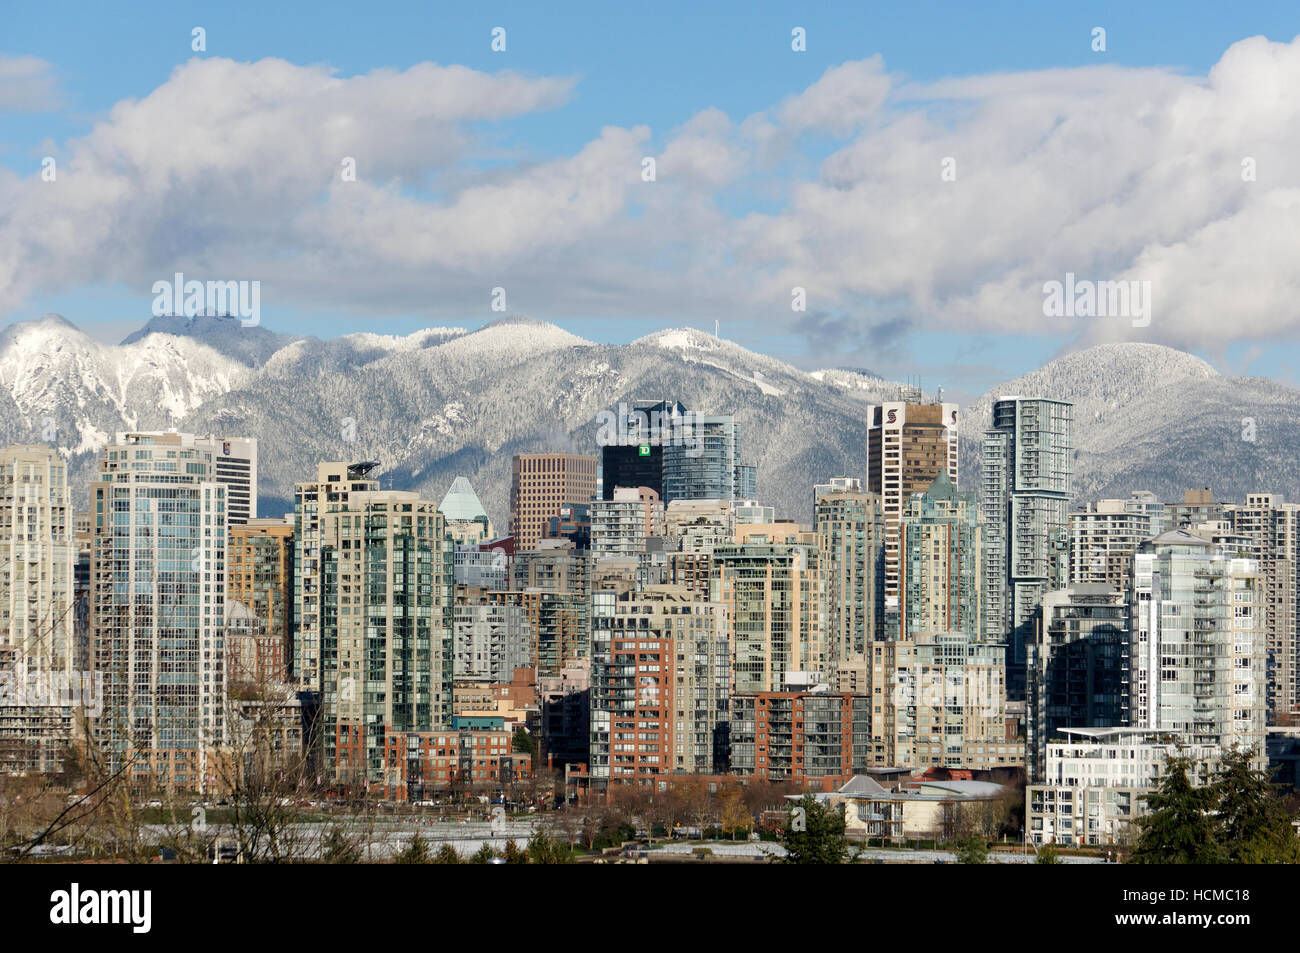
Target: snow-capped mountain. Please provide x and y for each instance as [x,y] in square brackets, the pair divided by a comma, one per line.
[1154,418]
[447,402]
[57,381]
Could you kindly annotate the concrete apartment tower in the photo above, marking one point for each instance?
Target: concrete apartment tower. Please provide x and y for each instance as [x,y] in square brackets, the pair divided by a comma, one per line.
[386,628]
[329,491]
[850,531]
[1198,642]
[38,556]
[235,460]
[1027,479]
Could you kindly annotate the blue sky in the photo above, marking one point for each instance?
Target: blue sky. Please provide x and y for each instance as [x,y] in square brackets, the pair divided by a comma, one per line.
[661,69]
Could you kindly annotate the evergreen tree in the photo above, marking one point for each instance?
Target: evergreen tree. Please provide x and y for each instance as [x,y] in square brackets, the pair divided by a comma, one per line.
[339,848]
[1254,823]
[522,740]
[416,852]
[972,850]
[545,849]
[1180,826]
[814,834]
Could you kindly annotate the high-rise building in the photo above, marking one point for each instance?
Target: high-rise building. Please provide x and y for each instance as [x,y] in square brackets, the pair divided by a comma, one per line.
[678,453]
[620,526]
[259,602]
[44,683]
[491,641]
[940,699]
[331,490]
[1027,467]
[1198,508]
[573,523]
[850,531]
[1104,538]
[158,573]
[540,484]
[386,627]
[556,565]
[752,511]
[939,568]
[1270,530]
[1198,642]
[1078,675]
[236,463]
[687,688]
[235,459]
[836,485]
[632,453]
[704,467]
[908,443]
[551,584]
[697,526]
[565,702]
[632,694]
[773,594]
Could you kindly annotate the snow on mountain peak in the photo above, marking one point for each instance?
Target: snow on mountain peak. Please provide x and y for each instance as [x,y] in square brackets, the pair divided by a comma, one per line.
[683,339]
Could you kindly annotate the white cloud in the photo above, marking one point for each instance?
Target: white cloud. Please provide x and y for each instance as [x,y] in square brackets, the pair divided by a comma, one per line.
[27,85]
[845,98]
[233,169]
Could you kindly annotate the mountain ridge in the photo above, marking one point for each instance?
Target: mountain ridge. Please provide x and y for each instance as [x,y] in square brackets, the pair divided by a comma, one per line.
[446,402]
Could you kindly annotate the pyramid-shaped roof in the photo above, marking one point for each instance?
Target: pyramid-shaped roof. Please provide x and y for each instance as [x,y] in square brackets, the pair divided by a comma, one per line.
[942,488]
[461,503]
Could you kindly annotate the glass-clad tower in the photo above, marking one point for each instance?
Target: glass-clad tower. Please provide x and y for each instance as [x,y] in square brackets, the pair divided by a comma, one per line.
[1027,468]
[158,575]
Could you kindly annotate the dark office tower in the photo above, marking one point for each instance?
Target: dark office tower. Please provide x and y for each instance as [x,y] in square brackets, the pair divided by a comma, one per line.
[632,449]
[640,465]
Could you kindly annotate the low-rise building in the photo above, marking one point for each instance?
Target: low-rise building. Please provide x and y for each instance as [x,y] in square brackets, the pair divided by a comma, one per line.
[475,754]
[1093,788]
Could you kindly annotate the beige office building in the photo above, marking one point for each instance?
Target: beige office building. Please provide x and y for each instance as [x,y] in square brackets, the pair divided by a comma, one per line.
[540,484]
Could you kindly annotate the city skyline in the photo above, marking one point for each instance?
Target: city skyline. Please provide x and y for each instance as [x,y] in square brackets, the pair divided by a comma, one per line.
[438,434]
